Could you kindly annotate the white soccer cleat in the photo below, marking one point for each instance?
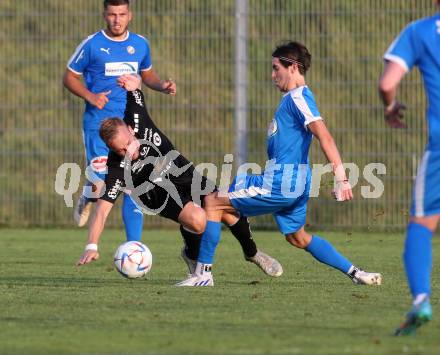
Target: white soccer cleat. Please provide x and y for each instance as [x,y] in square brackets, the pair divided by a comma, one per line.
[362,277]
[82,211]
[197,280]
[189,262]
[269,265]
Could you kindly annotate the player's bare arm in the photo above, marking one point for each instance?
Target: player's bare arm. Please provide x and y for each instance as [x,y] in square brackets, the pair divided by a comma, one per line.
[73,83]
[153,81]
[102,211]
[343,190]
[388,83]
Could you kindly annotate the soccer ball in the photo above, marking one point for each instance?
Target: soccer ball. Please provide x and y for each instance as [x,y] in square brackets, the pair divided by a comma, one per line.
[133,259]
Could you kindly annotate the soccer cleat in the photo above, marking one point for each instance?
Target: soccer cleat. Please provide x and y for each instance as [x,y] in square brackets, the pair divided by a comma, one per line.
[362,277]
[269,265]
[189,262]
[419,315]
[82,211]
[205,279]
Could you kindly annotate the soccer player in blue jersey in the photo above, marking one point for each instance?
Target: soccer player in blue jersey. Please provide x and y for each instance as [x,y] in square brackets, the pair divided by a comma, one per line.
[418,45]
[101,59]
[290,133]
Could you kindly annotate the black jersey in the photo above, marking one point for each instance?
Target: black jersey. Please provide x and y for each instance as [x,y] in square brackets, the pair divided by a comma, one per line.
[159,174]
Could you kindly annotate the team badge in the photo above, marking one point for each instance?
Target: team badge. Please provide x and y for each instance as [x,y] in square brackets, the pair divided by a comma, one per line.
[130,50]
[273,127]
[156,139]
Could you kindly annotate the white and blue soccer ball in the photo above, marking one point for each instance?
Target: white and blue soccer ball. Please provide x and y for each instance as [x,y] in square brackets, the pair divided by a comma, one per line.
[133,259]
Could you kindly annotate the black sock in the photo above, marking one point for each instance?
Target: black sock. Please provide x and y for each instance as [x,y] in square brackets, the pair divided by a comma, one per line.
[192,243]
[242,232]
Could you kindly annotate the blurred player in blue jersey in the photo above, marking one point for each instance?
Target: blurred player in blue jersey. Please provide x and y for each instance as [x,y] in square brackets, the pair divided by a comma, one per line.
[283,188]
[102,59]
[418,45]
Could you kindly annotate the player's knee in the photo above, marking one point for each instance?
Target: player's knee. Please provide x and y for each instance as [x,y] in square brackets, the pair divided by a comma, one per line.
[298,240]
[196,221]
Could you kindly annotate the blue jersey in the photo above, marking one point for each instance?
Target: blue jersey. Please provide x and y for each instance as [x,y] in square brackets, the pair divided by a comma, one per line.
[288,139]
[101,60]
[419,44]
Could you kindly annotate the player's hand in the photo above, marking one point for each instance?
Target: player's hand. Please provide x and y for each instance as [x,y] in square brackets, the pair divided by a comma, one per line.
[99,100]
[169,87]
[394,115]
[342,191]
[130,82]
[87,257]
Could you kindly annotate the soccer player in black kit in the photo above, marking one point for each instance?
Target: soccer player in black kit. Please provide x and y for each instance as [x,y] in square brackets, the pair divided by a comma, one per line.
[144,162]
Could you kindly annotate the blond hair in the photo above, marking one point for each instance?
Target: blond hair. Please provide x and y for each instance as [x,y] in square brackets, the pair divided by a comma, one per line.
[109,128]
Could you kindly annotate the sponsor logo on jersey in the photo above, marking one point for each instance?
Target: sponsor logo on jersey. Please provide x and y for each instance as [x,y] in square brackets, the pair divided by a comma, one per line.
[131,50]
[273,128]
[113,193]
[120,68]
[156,139]
[106,50]
[137,98]
[99,164]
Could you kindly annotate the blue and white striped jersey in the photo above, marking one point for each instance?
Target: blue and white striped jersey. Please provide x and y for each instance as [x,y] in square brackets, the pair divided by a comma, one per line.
[288,139]
[101,60]
[419,45]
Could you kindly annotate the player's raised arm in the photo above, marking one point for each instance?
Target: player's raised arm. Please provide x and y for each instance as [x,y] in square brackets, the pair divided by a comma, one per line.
[153,81]
[342,191]
[102,211]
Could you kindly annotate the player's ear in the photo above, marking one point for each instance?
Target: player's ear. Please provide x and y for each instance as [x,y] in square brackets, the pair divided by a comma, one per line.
[130,130]
[130,15]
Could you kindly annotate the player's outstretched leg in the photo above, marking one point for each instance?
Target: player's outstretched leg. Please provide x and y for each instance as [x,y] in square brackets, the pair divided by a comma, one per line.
[242,232]
[326,253]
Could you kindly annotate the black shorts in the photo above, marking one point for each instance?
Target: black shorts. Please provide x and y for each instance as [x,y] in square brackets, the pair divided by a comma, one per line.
[160,201]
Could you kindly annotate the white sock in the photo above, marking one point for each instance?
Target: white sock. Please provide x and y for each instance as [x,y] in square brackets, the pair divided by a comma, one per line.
[203,268]
[420,298]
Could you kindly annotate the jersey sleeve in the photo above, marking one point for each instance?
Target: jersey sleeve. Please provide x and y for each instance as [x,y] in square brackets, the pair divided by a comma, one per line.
[114,183]
[305,102]
[81,57]
[146,60]
[405,49]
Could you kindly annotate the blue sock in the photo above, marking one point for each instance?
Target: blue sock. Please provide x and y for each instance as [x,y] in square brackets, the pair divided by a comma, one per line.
[133,219]
[417,257]
[324,252]
[210,240]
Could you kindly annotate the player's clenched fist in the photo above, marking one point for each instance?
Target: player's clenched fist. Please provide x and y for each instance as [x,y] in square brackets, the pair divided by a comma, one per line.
[87,257]
[98,100]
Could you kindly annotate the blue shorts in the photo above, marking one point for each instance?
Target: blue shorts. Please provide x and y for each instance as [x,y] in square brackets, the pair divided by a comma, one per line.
[96,153]
[426,190]
[249,196]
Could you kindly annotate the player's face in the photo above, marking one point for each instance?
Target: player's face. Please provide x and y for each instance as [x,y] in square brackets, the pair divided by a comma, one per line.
[125,142]
[281,76]
[117,19]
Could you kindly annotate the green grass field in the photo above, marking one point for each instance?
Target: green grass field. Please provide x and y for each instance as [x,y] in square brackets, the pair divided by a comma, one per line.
[49,306]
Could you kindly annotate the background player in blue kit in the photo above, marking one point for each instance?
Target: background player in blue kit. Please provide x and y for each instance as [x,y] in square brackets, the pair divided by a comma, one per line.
[418,45]
[290,133]
[101,59]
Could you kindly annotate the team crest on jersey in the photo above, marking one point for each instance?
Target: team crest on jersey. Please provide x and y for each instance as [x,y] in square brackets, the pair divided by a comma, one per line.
[130,50]
[273,128]
[156,139]
[99,164]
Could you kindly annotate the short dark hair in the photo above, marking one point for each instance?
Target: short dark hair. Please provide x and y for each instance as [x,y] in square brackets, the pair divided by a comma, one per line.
[293,53]
[115,3]
[109,127]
